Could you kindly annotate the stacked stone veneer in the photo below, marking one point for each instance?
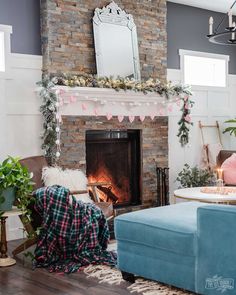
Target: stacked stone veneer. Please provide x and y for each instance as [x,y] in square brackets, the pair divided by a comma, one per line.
[154,146]
[67,35]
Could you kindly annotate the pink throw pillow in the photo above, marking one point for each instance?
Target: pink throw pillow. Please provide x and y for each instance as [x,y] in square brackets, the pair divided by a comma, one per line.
[229,170]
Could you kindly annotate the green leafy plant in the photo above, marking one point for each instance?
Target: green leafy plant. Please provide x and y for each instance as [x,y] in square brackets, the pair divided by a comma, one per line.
[14,175]
[232,129]
[195,177]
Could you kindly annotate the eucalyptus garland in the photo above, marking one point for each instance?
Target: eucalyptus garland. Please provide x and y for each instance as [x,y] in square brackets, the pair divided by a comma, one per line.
[49,102]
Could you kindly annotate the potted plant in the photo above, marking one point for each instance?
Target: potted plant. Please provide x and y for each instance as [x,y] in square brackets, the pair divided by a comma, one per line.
[232,129]
[15,185]
[195,177]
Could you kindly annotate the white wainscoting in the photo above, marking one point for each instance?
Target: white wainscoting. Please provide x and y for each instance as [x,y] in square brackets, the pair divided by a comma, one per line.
[21,124]
[20,120]
[211,104]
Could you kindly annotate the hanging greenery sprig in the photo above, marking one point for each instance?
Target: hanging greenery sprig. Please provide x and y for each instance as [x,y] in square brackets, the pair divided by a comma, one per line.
[49,107]
[185,121]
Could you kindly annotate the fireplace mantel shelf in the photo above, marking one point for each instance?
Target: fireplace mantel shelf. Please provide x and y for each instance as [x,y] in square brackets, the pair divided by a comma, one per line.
[103,101]
[91,93]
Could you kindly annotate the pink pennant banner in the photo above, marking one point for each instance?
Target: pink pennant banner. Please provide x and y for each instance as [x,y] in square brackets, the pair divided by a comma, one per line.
[109,116]
[152,117]
[131,119]
[142,118]
[120,118]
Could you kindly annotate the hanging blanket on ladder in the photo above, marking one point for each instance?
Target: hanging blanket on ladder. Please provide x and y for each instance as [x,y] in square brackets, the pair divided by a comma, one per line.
[72,235]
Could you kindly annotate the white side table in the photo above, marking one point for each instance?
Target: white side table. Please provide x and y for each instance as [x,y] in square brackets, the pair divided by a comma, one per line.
[195,194]
[6,260]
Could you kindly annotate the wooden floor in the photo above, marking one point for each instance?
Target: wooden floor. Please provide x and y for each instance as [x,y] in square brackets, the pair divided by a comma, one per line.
[20,279]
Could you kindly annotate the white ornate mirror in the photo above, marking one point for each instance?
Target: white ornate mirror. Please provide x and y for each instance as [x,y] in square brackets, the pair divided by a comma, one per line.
[116,44]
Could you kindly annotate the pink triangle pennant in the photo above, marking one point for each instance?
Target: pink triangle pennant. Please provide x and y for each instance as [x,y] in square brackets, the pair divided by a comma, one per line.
[142,118]
[120,118]
[152,117]
[109,116]
[131,119]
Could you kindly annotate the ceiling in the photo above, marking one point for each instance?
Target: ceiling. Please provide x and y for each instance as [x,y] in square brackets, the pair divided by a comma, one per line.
[215,5]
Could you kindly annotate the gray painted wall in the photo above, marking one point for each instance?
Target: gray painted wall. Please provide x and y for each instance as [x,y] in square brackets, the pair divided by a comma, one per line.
[187,28]
[24,16]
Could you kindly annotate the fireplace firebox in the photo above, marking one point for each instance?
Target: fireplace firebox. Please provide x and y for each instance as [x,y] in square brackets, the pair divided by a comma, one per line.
[114,157]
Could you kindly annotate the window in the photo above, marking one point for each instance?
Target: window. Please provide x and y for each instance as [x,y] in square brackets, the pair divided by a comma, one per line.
[204,69]
[2,52]
[5,49]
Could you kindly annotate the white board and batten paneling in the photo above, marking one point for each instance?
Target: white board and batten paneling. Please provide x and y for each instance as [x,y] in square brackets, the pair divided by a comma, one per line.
[20,119]
[211,104]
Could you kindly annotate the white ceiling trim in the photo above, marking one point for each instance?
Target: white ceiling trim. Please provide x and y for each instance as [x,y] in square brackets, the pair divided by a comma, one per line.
[214,5]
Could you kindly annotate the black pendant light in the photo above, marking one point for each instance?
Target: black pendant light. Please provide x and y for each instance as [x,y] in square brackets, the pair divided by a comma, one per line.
[226,36]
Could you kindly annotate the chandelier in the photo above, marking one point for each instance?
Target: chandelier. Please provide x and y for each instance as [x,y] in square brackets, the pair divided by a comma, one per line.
[226,36]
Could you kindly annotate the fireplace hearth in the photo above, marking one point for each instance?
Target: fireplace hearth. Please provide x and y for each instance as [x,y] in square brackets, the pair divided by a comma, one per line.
[113,157]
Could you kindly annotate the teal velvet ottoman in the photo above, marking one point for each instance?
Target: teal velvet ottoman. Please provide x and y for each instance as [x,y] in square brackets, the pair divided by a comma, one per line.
[188,245]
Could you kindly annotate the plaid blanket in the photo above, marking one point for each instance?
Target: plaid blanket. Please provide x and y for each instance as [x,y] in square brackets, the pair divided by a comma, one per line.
[72,236]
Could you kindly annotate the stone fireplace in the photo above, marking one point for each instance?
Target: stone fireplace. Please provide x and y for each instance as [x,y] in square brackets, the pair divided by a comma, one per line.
[153,144]
[68,47]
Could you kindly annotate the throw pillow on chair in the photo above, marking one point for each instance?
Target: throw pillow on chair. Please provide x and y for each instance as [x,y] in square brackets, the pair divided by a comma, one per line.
[73,179]
[229,170]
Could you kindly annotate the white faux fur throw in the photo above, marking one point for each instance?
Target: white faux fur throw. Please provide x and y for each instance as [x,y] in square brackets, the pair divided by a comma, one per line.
[74,180]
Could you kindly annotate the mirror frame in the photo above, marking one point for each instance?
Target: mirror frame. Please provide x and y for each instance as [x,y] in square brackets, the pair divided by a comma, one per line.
[113,14]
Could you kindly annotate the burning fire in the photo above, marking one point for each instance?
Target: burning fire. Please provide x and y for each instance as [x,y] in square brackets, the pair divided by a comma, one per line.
[119,187]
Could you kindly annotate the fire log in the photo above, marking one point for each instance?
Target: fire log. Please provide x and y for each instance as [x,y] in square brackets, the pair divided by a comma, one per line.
[109,193]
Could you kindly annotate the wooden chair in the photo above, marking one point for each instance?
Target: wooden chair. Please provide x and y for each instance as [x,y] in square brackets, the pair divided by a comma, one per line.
[35,165]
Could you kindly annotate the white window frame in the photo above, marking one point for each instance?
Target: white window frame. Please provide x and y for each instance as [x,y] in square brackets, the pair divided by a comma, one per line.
[183,52]
[7,30]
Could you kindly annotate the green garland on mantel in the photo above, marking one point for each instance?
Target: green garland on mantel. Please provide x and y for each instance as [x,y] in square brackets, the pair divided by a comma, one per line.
[49,100]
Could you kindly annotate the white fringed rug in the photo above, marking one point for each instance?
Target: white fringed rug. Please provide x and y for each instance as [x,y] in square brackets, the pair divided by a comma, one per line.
[112,276]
